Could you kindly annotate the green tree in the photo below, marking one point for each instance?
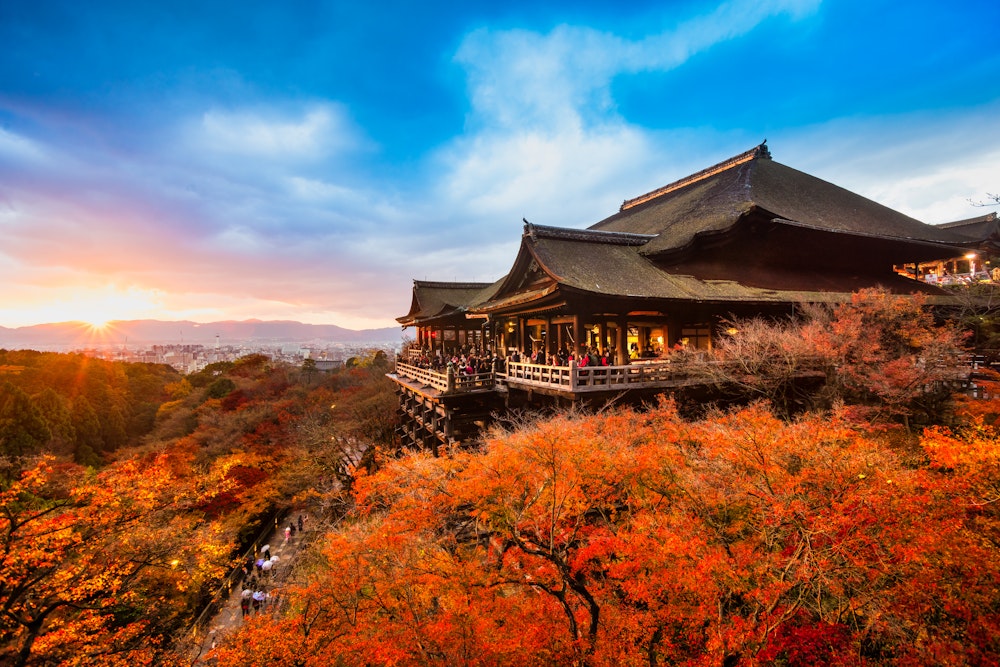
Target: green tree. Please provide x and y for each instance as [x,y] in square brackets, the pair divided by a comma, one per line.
[22,428]
[88,433]
[55,411]
[220,388]
[252,365]
[309,368]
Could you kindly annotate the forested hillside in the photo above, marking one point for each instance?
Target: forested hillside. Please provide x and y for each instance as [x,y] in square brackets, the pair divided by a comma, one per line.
[853,524]
[74,406]
[641,538]
[107,553]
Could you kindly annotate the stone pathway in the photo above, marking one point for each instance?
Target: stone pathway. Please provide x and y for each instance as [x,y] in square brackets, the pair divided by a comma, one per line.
[230,616]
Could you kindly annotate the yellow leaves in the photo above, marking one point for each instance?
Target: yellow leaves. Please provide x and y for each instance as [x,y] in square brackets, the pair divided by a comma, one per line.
[67,561]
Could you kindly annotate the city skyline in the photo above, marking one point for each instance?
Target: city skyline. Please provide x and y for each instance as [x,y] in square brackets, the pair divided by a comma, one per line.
[224,161]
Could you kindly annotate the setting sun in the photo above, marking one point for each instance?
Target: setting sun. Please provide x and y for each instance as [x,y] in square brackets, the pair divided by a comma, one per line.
[96,307]
[97,326]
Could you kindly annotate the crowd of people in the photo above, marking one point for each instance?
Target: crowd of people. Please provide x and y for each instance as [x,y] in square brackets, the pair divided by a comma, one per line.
[465,361]
[472,361]
[260,573]
[257,574]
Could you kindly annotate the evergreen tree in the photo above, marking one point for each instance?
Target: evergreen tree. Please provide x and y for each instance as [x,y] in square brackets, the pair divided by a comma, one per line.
[88,433]
[22,429]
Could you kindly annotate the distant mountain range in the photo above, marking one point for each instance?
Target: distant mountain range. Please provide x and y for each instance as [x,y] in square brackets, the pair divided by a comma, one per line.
[149,332]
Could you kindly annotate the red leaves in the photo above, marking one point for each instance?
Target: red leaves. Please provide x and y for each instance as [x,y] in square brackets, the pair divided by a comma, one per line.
[804,643]
[614,539]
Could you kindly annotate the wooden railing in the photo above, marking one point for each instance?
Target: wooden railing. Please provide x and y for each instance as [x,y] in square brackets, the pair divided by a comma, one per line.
[600,378]
[571,378]
[448,382]
[565,378]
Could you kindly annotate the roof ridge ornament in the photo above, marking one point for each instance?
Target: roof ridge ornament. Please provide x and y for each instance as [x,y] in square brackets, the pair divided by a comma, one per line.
[529,229]
[757,152]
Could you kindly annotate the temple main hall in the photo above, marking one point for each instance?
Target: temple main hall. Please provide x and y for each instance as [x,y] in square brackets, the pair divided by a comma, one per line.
[745,237]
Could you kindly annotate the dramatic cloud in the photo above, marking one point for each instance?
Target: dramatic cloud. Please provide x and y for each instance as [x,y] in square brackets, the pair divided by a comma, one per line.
[311,175]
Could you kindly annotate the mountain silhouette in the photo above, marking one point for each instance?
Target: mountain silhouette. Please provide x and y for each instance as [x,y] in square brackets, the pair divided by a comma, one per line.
[140,332]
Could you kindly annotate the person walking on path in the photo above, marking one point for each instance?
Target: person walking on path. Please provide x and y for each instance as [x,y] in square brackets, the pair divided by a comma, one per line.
[258,600]
[245,601]
[228,620]
[266,569]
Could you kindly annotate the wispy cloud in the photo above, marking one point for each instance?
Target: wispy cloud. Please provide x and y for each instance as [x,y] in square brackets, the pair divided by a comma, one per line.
[520,78]
[315,133]
[17,148]
[928,165]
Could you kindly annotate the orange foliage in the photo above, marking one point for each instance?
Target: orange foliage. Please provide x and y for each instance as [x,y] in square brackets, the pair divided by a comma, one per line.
[93,567]
[630,539]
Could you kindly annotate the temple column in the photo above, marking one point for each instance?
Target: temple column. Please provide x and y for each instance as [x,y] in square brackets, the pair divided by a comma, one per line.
[577,334]
[548,337]
[676,332]
[621,343]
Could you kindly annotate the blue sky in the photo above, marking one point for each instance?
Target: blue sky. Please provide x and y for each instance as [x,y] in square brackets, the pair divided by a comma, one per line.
[224,160]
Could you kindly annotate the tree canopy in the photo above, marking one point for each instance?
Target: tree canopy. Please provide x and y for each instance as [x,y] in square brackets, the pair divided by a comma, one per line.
[640,538]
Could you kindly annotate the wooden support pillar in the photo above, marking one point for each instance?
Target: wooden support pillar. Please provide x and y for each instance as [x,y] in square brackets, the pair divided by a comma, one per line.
[577,334]
[673,334]
[621,343]
[522,341]
[548,338]
[603,329]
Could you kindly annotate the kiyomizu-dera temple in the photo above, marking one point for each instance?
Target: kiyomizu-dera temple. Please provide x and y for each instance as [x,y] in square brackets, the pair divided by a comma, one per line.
[748,236]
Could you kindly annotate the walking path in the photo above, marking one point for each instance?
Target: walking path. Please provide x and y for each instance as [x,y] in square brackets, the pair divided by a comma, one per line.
[230,616]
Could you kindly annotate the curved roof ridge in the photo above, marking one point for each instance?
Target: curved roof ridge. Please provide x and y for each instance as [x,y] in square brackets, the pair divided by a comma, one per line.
[989,217]
[436,284]
[760,151]
[586,235]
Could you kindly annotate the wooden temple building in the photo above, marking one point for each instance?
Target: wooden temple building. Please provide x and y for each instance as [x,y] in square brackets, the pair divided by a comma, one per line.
[978,262]
[746,237]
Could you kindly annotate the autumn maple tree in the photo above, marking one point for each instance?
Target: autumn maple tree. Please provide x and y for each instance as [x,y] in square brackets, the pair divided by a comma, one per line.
[882,352]
[96,568]
[642,538]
